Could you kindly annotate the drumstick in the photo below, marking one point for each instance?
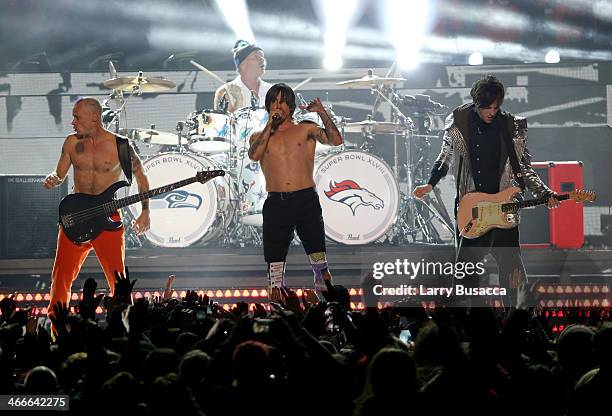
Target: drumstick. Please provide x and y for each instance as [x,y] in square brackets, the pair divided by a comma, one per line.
[301,84]
[215,76]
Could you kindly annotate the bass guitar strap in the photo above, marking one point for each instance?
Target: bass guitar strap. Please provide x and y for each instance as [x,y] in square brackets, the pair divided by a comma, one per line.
[125,159]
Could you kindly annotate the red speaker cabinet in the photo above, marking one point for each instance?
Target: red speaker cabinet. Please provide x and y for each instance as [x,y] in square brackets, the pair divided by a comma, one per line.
[565,223]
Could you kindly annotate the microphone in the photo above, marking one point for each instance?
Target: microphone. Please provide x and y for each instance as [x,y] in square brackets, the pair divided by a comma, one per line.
[276,118]
[254,100]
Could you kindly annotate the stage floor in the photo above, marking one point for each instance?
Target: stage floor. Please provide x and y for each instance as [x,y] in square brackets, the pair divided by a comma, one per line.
[213,268]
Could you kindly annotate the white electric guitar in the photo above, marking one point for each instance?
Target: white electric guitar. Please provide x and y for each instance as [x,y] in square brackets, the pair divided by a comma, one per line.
[480,212]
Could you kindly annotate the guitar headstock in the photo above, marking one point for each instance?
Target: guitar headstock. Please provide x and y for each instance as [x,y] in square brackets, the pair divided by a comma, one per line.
[580,195]
[206,175]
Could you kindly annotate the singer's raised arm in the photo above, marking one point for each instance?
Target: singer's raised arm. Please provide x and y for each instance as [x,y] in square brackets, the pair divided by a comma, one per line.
[259,142]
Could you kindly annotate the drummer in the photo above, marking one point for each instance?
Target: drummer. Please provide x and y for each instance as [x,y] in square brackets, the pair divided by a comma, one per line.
[247,89]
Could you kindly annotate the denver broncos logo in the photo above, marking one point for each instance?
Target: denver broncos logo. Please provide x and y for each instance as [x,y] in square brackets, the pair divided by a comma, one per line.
[348,192]
[177,199]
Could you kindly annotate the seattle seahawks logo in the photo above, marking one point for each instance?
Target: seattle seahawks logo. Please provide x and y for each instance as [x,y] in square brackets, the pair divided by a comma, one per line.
[176,199]
[349,193]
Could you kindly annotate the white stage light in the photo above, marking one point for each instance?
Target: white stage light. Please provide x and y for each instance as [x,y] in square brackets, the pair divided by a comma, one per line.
[337,16]
[552,57]
[407,35]
[236,14]
[475,58]
[332,62]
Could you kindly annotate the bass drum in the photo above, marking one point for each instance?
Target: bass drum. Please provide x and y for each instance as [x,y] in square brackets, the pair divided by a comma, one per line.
[185,215]
[359,196]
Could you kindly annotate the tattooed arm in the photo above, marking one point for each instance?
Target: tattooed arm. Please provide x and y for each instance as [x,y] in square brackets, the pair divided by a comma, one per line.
[56,177]
[330,133]
[259,141]
[143,222]
[141,178]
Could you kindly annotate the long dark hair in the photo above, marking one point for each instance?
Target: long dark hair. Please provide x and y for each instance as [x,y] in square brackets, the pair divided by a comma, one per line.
[487,90]
[287,95]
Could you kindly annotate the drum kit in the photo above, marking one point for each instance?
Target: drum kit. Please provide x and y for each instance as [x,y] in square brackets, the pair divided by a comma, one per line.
[362,198]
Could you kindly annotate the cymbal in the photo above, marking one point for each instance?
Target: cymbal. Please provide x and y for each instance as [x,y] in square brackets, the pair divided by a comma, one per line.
[371,126]
[370,80]
[146,84]
[153,136]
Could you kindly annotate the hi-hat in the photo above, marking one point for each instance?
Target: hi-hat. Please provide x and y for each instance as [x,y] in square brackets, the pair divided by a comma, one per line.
[152,136]
[370,80]
[145,84]
[371,126]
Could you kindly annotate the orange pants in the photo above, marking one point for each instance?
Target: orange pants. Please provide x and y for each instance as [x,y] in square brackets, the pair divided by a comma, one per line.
[69,257]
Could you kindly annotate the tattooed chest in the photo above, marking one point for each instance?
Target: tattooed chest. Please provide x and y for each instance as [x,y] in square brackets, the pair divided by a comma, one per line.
[89,158]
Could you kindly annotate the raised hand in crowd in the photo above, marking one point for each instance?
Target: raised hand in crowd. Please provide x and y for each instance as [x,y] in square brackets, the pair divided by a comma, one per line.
[526,296]
[309,299]
[275,294]
[20,316]
[123,287]
[204,300]
[259,311]
[59,318]
[221,329]
[191,298]
[241,308]
[290,301]
[168,289]
[337,293]
[7,307]
[32,324]
[88,305]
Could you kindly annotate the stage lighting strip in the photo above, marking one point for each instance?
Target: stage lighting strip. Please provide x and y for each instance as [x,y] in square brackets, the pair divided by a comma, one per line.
[552,296]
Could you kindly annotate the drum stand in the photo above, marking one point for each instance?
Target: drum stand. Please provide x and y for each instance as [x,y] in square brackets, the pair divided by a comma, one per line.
[110,118]
[416,217]
[424,212]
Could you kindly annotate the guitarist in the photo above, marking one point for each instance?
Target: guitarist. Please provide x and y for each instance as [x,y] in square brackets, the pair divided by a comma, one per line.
[488,150]
[94,154]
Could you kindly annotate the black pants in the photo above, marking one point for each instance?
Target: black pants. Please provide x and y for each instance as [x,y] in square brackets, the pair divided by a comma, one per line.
[286,212]
[503,244]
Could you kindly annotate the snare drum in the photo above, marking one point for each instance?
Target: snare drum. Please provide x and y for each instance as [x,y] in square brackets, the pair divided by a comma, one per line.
[210,131]
[359,195]
[185,215]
